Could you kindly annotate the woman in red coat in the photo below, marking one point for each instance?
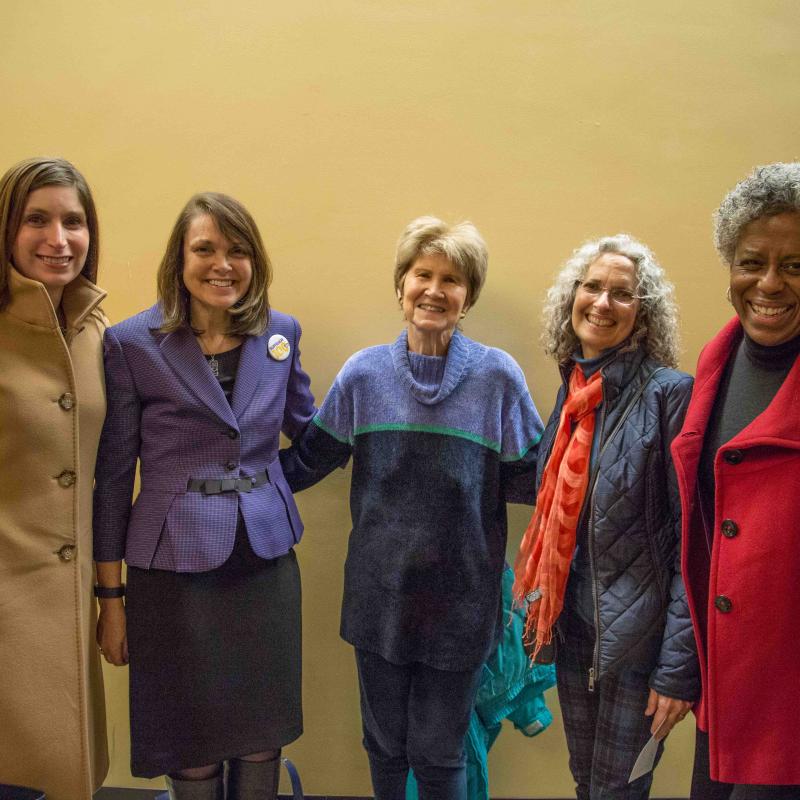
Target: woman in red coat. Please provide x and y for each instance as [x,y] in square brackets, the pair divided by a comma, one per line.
[738,465]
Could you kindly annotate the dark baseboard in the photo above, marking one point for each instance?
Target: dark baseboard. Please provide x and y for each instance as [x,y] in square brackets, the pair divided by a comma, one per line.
[111,793]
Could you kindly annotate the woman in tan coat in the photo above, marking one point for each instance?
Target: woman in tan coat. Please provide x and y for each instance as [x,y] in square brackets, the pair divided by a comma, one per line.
[52,403]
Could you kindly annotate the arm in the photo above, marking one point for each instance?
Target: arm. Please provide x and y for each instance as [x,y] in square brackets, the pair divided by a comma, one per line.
[522,432]
[299,408]
[325,443]
[111,634]
[675,682]
[117,455]
[312,456]
[114,477]
[519,476]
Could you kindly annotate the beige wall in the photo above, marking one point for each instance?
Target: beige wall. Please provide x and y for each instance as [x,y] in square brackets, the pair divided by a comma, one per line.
[336,123]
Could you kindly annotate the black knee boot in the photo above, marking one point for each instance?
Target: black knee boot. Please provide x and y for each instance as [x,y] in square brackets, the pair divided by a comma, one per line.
[253,780]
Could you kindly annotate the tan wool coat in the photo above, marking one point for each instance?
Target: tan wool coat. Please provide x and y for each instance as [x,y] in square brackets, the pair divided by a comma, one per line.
[52,404]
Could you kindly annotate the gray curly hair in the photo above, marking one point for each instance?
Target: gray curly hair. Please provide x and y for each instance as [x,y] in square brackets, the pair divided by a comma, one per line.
[656,326]
[769,190]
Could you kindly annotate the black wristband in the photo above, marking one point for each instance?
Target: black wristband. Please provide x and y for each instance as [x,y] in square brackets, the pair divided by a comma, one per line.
[109,592]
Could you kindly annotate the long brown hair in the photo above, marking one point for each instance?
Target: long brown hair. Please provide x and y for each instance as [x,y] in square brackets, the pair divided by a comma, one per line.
[25,177]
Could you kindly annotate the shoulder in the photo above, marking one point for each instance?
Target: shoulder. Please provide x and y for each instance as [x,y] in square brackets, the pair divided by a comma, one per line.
[283,324]
[671,380]
[492,363]
[97,319]
[138,324]
[667,393]
[719,348]
[366,364]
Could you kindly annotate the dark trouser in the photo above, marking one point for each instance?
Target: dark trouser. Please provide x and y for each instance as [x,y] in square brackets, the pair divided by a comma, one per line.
[417,716]
[606,729]
[703,788]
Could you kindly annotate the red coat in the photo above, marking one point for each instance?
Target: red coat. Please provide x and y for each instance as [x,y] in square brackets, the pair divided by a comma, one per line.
[750,650]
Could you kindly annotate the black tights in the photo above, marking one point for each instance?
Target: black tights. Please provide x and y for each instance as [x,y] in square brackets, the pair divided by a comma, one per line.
[210,770]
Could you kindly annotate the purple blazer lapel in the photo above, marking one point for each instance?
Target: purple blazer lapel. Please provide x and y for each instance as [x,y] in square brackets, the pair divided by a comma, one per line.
[183,354]
[252,362]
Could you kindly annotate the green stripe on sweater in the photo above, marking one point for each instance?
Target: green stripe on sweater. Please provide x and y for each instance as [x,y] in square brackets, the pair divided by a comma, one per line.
[442,430]
[330,431]
[439,429]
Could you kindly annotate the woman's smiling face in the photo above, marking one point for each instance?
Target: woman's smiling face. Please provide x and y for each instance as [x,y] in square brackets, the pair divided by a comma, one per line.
[433,296]
[216,271]
[765,278]
[53,237]
[599,321]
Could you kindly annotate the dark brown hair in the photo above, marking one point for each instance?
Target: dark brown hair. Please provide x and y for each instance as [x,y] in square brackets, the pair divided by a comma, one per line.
[250,316]
[25,177]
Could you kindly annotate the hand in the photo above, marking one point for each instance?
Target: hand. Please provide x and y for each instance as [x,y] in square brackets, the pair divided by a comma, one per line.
[112,638]
[668,710]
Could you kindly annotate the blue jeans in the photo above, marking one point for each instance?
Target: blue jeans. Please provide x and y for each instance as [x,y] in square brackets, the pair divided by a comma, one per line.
[415,716]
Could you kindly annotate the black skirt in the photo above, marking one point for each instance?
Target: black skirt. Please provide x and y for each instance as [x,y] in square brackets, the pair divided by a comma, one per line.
[214,661]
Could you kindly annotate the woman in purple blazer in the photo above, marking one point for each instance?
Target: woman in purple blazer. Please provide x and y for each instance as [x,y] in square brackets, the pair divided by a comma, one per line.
[199,388]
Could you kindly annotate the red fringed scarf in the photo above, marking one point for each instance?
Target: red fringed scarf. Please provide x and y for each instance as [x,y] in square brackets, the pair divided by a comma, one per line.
[542,565]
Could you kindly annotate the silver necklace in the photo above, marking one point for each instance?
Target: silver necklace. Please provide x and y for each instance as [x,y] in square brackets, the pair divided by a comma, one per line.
[212,357]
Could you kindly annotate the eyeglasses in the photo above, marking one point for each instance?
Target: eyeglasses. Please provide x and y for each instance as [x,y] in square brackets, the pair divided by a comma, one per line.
[617,295]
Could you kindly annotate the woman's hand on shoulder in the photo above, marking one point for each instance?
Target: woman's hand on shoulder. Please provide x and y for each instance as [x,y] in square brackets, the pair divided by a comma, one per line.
[666,712]
[112,637]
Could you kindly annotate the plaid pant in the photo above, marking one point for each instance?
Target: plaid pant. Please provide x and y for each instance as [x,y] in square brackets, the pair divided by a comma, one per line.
[606,729]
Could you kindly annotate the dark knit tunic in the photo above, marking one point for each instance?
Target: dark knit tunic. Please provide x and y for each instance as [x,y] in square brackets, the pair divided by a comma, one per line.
[434,462]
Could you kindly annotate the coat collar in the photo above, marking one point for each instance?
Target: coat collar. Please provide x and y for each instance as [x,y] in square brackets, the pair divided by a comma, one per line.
[617,373]
[779,422]
[182,352]
[251,367]
[31,303]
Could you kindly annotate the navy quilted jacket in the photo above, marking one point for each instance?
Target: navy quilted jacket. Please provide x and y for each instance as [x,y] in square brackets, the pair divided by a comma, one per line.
[632,511]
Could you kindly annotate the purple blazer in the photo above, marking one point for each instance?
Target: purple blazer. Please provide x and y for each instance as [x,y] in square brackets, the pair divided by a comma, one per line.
[167,410]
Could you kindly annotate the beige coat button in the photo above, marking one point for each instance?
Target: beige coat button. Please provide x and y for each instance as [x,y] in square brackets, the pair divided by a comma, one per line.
[66,401]
[67,552]
[66,478]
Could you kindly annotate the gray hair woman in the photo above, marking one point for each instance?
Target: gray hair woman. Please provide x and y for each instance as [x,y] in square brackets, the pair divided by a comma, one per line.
[599,563]
[738,461]
[442,432]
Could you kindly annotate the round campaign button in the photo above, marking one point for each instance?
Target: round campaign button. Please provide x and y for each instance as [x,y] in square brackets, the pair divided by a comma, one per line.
[278,347]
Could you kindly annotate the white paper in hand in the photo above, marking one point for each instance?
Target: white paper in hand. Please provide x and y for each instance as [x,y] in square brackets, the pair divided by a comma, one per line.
[646,759]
